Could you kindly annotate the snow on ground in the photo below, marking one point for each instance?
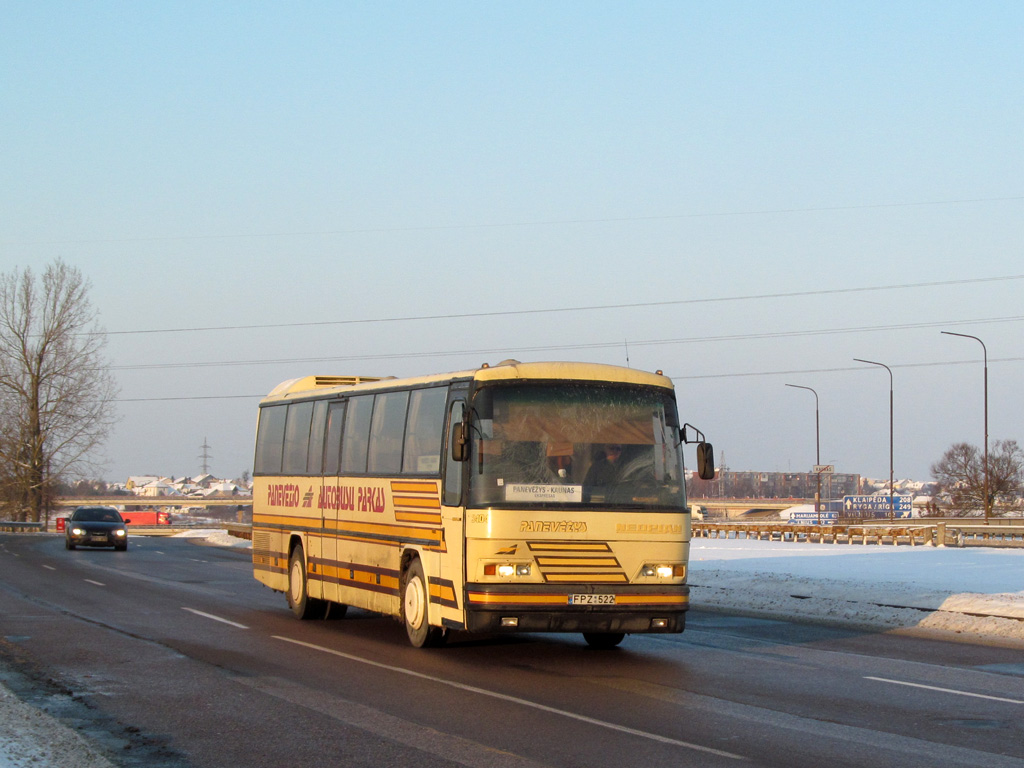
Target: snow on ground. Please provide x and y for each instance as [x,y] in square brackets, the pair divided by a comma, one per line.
[213,537]
[30,738]
[971,593]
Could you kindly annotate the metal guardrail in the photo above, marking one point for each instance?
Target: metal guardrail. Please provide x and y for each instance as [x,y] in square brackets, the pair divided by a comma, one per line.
[913,534]
[8,526]
[241,530]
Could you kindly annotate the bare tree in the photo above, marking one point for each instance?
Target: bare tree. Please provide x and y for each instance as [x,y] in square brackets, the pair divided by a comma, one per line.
[56,388]
[960,474]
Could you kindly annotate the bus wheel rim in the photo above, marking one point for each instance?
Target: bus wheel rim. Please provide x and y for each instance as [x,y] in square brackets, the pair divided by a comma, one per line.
[414,603]
[296,581]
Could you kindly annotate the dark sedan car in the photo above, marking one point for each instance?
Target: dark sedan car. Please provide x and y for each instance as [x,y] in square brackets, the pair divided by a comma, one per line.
[96,527]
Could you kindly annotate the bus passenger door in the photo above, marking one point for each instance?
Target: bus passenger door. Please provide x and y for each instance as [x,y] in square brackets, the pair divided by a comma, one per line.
[451,588]
[329,500]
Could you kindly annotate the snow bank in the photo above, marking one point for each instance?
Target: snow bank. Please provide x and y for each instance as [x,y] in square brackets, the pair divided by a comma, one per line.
[30,738]
[975,592]
[214,537]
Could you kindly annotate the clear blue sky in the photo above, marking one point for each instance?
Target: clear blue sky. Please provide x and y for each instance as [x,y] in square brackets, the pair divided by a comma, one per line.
[730,171]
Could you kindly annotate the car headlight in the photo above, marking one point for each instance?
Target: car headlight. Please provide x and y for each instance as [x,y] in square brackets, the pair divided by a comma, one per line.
[120,532]
[77,532]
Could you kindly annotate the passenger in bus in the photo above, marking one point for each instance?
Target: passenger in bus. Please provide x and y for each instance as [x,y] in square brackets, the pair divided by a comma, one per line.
[604,470]
[560,468]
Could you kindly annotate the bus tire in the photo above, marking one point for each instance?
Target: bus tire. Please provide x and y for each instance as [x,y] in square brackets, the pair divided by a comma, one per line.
[335,611]
[603,640]
[415,599]
[302,605]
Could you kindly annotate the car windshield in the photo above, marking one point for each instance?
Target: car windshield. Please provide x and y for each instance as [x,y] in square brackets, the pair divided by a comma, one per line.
[96,516]
[576,444]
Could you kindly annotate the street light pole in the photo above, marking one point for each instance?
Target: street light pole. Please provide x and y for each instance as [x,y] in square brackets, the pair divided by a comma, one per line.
[892,490]
[817,448]
[984,349]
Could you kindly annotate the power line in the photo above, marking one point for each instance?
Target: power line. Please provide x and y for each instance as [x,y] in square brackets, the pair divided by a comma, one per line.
[844,369]
[564,310]
[674,377]
[516,224]
[564,347]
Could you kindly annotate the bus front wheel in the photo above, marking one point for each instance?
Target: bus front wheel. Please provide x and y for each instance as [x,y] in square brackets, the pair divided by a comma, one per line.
[414,609]
[302,605]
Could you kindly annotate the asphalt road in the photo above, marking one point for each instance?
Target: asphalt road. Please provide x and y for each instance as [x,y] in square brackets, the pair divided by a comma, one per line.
[170,654]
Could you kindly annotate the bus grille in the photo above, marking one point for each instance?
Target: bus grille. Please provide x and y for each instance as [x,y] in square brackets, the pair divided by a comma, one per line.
[564,562]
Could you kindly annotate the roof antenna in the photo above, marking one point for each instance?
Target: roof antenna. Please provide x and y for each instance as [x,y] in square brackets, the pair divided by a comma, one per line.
[625,343]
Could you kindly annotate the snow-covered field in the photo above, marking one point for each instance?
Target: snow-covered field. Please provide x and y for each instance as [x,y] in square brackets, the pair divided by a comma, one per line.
[975,594]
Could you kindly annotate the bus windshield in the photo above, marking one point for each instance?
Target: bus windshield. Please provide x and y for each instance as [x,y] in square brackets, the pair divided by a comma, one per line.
[561,444]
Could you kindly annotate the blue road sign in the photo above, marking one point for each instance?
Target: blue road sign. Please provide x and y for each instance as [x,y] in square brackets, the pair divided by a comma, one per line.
[901,504]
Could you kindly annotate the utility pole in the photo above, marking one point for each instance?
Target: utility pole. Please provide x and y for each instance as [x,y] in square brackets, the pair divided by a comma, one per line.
[988,501]
[892,489]
[817,448]
[205,456]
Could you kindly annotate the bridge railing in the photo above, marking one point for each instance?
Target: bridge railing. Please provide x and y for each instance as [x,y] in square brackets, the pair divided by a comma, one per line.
[912,534]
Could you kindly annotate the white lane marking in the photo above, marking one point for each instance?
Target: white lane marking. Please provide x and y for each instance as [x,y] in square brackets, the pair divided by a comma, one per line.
[215,618]
[945,690]
[97,583]
[49,567]
[516,700]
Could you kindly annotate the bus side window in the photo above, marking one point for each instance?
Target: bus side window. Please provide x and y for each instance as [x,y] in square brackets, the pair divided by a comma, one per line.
[296,438]
[453,468]
[270,440]
[332,447]
[424,432]
[387,433]
[314,465]
[356,438]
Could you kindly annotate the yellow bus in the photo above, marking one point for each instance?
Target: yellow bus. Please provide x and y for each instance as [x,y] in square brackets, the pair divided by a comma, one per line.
[519,497]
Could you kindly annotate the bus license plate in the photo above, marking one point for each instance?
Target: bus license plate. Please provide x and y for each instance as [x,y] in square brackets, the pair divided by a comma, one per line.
[591,599]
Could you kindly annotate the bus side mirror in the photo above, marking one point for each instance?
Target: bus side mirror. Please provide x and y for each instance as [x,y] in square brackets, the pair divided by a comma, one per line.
[705,461]
[460,445]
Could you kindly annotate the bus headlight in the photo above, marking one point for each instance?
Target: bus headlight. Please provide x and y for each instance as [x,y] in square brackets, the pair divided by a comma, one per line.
[507,570]
[663,571]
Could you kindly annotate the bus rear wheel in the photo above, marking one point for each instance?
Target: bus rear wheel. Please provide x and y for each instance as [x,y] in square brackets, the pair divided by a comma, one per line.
[302,605]
[603,640]
[415,598]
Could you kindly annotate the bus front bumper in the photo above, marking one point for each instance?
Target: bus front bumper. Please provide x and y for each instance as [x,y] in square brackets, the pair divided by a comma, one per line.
[576,608]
